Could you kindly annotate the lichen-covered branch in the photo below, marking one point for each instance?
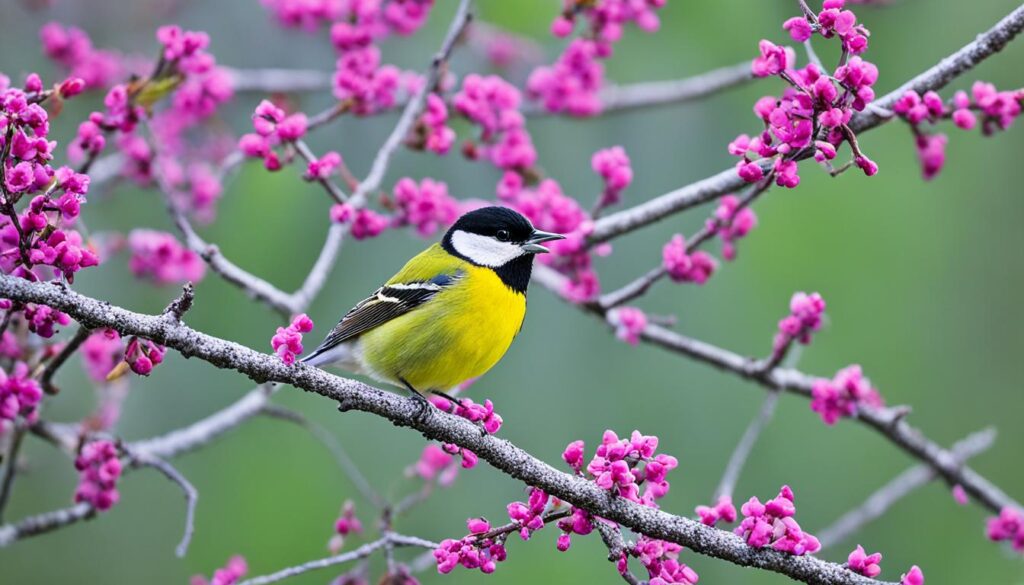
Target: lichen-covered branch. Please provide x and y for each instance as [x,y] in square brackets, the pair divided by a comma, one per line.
[353,395]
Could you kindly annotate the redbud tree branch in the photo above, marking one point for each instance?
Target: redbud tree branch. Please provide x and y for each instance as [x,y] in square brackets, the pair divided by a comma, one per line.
[727,181]
[898,488]
[503,455]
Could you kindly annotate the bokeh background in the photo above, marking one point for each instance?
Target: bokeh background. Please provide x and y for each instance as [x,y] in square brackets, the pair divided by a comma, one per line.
[922,279]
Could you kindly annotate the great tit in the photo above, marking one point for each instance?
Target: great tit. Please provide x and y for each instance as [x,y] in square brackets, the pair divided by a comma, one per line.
[449,314]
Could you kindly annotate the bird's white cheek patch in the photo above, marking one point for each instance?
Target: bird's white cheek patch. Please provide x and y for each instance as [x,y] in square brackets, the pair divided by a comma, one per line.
[484,250]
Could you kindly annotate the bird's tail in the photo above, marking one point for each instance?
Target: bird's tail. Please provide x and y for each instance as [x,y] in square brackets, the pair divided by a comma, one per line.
[340,354]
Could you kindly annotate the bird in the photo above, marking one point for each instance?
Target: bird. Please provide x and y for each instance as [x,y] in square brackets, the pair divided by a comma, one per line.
[449,315]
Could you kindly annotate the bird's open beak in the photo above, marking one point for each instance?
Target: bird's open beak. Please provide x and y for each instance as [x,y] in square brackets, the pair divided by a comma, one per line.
[533,245]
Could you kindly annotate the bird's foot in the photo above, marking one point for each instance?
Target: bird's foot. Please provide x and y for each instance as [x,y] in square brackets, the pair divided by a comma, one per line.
[423,407]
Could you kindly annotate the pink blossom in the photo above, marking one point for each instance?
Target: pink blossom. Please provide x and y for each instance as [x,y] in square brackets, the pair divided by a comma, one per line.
[931,150]
[773,59]
[42,320]
[773,524]
[287,342]
[436,135]
[798,28]
[492,104]
[960,495]
[622,466]
[840,397]
[72,49]
[805,317]
[912,577]
[613,165]
[347,523]
[158,256]
[365,223]
[723,510]
[426,205]
[101,352]
[1008,526]
[435,463]
[98,471]
[573,455]
[661,559]
[731,223]
[20,395]
[681,266]
[572,83]
[864,564]
[230,574]
[142,355]
[629,324]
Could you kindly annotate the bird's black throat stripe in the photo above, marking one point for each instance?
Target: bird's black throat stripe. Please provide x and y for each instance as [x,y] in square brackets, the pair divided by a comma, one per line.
[516,274]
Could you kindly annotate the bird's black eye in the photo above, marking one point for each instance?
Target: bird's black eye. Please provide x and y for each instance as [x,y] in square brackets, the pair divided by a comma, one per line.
[502,235]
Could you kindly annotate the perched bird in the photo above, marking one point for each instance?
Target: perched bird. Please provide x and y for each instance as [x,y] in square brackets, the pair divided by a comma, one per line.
[449,314]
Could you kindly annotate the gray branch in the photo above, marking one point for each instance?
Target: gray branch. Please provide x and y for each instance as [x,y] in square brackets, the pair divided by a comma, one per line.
[503,455]
[190,492]
[739,456]
[389,539]
[901,486]
[727,181]
[889,422]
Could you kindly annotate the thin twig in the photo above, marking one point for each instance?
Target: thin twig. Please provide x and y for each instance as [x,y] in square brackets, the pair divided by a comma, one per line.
[11,467]
[898,488]
[359,553]
[191,494]
[739,456]
[612,537]
[334,446]
[46,378]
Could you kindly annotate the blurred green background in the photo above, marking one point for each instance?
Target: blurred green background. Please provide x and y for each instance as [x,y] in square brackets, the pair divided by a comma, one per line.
[922,281]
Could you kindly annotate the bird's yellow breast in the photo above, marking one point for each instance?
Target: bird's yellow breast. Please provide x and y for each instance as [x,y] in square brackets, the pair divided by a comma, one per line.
[459,334]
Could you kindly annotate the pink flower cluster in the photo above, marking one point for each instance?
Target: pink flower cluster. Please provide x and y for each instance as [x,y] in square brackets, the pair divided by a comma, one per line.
[998,110]
[231,573]
[426,205]
[629,323]
[287,342]
[492,104]
[20,395]
[832,21]
[473,412]
[912,577]
[323,167]
[579,522]
[529,515]
[43,234]
[160,258]
[370,18]
[572,83]
[613,165]
[348,523]
[432,131]
[839,397]
[773,523]
[864,564]
[435,464]
[72,49]
[805,317]
[142,355]
[98,471]
[42,319]
[364,223]
[815,102]
[475,551]
[1008,526]
[732,223]
[273,128]
[723,510]
[683,266]
[101,352]
[661,559]
[616,467]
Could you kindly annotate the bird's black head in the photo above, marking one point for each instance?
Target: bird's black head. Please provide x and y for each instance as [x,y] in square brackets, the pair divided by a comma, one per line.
[498,238]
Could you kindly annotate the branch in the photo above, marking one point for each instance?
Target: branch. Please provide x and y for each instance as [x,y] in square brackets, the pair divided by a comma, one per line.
[278,80]
[612,538]
[984,46]
[191,494]
[901,486]
[503,455]
[11,469]
[889,422]
[42,523]
[389,539]
[46,378]
[742,452]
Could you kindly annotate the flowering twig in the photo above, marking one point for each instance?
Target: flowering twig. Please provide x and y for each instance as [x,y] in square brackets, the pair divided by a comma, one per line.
[742,452]
[612,538]
[362,552]
[951,67]
[353,395]
[899,487]
[889,422]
